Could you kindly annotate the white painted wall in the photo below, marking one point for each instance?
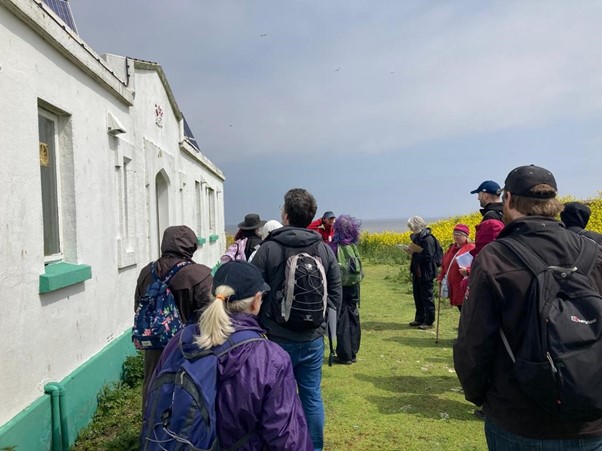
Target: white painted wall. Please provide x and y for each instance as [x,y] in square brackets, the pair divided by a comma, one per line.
[47,336]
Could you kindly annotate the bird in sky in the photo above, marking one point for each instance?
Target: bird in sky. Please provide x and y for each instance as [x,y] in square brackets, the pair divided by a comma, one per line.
[391,73]
[337,69]
[229,125]
[263,35]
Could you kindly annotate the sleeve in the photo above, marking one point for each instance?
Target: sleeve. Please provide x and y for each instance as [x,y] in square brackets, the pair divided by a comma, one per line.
[445,264]
[333,279]
[283,425]
[478,334]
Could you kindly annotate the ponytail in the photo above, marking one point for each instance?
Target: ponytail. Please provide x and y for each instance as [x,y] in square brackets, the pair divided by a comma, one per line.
[215,323]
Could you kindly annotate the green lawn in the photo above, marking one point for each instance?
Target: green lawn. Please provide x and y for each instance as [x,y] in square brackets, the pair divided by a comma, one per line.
[402,394]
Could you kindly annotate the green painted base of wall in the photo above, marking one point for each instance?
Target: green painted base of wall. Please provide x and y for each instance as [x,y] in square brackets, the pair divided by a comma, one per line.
[31,429]
[213,238]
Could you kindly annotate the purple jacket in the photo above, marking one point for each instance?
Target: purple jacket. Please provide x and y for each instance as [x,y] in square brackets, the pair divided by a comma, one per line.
[257,392]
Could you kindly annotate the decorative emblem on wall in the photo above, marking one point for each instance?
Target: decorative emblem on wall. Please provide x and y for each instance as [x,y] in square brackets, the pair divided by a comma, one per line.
[158,115]
[43,154]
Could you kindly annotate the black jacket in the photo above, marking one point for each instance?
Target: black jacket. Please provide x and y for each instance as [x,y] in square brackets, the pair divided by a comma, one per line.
[494,210]
[497,293]
[270,259]
[423,263]
[575,217]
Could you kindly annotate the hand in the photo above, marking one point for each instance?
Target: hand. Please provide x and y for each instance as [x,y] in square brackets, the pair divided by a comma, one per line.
[463,270]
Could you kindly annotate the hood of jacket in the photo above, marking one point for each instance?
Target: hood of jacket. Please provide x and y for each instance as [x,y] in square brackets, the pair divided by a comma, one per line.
[575,214]
[295,236]
[178,241]
[496,207]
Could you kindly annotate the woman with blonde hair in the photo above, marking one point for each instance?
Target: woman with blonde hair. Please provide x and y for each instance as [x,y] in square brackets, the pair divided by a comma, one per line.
[254,375]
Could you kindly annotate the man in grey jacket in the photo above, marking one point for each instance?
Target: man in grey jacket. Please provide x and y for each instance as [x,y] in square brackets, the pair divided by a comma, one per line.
[305,347]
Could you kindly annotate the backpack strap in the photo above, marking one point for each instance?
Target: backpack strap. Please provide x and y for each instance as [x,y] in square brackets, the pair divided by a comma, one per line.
[525,254]
[172,272]
[588,254]
[235,339]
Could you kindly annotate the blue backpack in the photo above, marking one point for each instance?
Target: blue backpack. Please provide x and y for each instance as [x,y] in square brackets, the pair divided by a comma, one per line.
[157,318]
[180,407]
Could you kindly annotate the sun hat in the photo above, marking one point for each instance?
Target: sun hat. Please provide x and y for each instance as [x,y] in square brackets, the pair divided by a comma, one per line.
[328,215]
[243,277]
[252,221]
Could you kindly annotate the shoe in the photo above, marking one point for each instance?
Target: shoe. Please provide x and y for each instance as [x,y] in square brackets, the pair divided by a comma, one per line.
[479,414]
[353,359]
[425,326]
[415,324]
[342,362]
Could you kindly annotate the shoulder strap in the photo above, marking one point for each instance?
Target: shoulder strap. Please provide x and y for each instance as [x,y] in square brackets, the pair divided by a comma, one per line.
[588,253]
[174,269]
[525,254]
[235,339]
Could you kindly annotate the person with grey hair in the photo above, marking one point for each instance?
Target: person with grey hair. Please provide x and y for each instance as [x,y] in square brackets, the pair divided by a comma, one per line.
[423,268]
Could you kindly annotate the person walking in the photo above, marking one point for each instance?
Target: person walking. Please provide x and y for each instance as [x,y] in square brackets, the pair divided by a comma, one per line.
[500,299]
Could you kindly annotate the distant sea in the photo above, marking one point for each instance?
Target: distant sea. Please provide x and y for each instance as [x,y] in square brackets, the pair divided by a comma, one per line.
[368,225]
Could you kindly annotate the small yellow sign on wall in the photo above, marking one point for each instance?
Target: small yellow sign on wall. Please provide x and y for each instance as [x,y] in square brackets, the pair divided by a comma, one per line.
[43,154]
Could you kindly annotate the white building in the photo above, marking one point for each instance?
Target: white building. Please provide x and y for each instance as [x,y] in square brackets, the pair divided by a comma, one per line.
[97,162]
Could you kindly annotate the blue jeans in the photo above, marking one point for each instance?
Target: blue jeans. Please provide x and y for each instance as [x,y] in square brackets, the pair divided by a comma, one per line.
[307,361]
[500,440]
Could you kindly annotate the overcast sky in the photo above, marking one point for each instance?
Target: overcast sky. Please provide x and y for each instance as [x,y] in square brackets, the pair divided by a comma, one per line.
[382,109]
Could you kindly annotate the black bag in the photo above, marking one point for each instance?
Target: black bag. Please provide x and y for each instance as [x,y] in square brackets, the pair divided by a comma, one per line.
[558,362]
[301,302]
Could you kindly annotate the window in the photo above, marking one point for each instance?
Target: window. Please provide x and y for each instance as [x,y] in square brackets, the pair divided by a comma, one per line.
[198,194]
[126,234]
[211,200]
[51,189]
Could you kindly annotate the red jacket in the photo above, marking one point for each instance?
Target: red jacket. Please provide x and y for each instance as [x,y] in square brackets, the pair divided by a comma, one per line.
[325,231]
[454,278]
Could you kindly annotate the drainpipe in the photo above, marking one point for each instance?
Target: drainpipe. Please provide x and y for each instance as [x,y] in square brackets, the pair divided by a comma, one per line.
[60,427]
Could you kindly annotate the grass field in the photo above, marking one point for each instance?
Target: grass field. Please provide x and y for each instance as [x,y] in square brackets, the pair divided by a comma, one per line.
[402,394]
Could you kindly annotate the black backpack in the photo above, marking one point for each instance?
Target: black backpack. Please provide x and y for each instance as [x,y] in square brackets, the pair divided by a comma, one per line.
[558,362]
[301,301]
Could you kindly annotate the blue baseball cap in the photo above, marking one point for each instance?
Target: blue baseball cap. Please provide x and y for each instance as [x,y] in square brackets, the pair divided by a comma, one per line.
[488,186]
[243,277]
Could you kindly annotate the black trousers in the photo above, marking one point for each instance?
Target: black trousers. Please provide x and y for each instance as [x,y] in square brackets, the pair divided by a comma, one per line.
[349,333]
[423,299]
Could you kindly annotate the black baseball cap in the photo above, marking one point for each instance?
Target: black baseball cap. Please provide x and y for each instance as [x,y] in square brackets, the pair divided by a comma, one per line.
[523,178]
[488,186]
[328,215]
[243,277]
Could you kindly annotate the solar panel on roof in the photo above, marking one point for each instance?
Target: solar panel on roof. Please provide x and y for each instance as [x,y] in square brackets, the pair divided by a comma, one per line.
[63,10]
[189,136]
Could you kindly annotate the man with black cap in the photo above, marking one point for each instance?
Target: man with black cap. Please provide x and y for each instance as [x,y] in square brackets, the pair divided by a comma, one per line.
[495,318]
[489,199]
[575,217]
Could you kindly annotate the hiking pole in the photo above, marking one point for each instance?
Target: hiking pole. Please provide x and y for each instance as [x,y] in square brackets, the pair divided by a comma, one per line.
[438,314]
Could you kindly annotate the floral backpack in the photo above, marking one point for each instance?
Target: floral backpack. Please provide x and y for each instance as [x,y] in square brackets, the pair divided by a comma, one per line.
[157,318]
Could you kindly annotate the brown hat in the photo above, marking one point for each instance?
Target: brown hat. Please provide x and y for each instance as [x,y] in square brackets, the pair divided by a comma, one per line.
[251,222]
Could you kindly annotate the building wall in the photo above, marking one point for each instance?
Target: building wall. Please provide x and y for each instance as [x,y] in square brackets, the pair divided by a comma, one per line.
[48,336]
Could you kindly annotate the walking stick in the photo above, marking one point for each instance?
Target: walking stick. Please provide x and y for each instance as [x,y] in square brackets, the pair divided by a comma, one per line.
[438,314]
